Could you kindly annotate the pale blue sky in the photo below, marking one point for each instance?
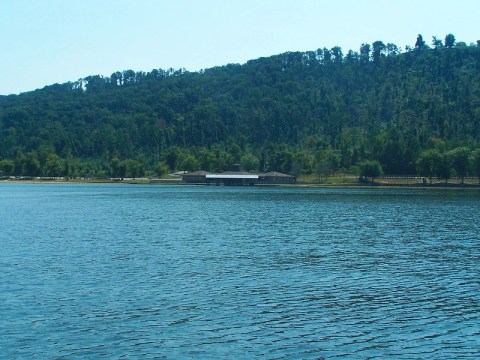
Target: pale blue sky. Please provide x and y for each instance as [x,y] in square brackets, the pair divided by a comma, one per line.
[55,41]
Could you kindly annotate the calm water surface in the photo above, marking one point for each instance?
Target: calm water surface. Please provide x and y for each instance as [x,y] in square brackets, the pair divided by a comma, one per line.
[118,271]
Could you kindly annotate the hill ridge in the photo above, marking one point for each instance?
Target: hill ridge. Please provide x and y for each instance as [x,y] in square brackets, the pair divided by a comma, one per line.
[295,112]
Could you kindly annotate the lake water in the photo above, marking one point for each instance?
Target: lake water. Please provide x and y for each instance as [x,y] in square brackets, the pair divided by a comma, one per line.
[120,271]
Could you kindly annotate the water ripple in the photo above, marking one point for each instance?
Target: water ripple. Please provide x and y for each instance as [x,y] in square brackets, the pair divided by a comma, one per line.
[182,272]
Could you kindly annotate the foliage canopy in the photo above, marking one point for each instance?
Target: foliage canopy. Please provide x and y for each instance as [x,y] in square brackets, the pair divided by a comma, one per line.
[296,112]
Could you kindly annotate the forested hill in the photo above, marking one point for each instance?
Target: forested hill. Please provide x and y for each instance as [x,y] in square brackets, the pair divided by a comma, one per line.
[297,112]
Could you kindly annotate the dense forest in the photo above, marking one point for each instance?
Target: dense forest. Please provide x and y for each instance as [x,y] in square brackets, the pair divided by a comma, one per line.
[412,111]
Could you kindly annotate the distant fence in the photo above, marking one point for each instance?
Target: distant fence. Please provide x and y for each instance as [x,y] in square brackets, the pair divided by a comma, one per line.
[412,177]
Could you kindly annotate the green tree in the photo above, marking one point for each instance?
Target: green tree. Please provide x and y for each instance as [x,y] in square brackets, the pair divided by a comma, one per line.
[449,41]
[378,51]
[122,170]
[281,159]
[115,167]
[327,162]
[31,164]
[475,163]
[222,159]
[206,159]
[392,49]
[53,165]
[250,162]
[436,43]
[428,163]
[444,167]
[69,166]
[393,152]
[459,159]
[134,168]
[337,54]
[420,43]
[161,169]
[7,167]
[365,53]
[235,151]
[43,152]
[171,157]
[370,169]
[189,163]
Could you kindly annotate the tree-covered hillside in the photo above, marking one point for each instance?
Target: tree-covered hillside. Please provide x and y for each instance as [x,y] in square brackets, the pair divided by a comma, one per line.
[415,112]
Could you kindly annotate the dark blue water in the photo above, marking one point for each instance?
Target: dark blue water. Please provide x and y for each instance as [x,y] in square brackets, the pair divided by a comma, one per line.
[116,271]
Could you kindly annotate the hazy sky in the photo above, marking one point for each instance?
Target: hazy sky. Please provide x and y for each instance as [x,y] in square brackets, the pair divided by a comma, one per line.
[55,41]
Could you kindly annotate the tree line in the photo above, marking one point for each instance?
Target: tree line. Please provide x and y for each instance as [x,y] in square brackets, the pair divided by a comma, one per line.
[310,112]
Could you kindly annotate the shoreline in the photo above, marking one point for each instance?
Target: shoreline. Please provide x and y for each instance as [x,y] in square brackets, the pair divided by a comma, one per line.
[356,185]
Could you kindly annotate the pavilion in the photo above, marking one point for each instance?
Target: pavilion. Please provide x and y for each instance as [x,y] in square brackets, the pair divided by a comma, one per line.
[237,176]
